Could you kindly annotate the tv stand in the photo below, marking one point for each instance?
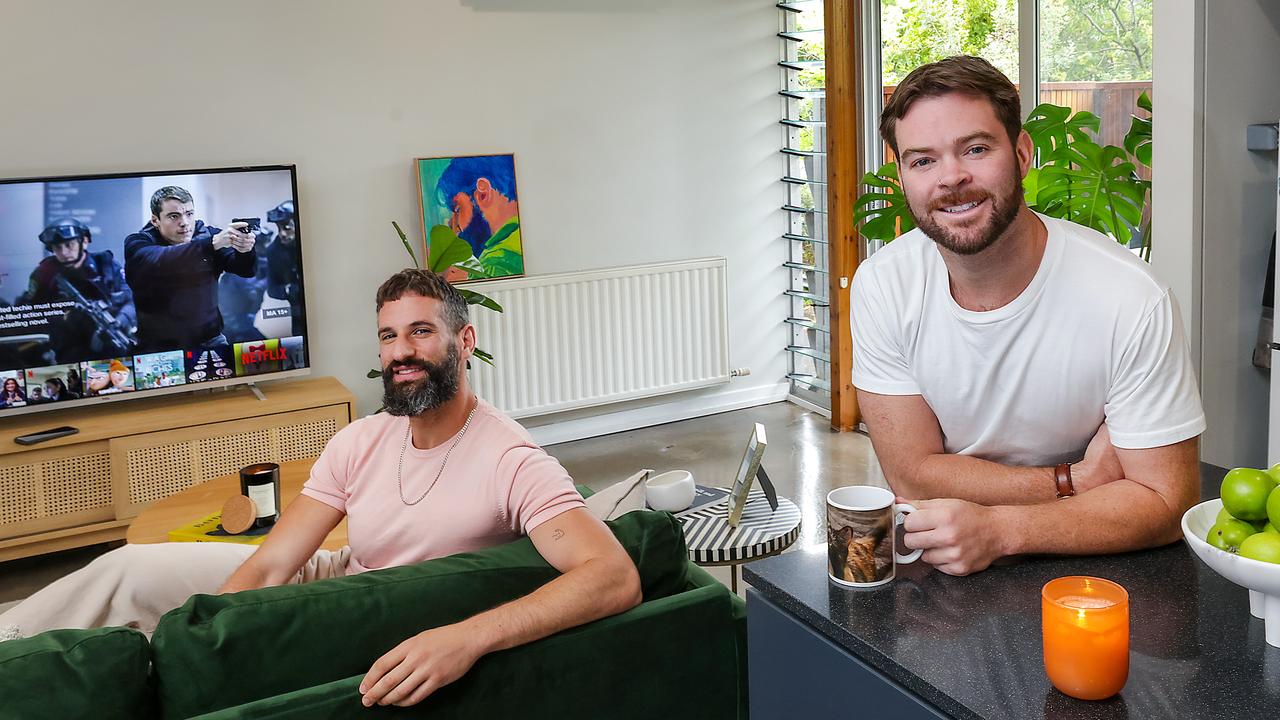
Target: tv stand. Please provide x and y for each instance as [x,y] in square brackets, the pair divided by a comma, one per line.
[257,391]
[86,488]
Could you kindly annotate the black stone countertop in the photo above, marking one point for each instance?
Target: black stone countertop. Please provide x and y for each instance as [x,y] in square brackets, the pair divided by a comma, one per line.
[971,646]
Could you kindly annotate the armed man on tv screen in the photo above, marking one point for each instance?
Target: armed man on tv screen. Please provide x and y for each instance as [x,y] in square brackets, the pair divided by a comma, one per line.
[173,264]
[284,279]
[102,322]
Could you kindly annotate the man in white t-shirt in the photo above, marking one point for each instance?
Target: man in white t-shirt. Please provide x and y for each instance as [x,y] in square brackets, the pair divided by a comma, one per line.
[1025,380]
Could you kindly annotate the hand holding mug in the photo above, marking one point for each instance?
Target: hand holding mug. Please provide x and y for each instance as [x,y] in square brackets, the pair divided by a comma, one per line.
[860,536]
[957,537]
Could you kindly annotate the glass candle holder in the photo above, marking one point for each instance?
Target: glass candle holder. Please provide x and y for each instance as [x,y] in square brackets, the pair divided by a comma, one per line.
[1085,625]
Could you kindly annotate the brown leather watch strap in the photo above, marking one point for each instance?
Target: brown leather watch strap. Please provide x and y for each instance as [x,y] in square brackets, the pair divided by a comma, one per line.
[1062,478]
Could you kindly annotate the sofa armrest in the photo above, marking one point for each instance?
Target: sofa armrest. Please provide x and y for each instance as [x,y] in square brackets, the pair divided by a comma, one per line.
[676,657]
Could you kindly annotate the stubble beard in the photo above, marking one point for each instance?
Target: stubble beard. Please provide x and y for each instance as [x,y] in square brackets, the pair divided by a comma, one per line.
[1004,210]
[414,398]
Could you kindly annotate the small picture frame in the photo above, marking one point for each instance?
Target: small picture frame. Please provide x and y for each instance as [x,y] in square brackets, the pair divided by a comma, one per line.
[746,474]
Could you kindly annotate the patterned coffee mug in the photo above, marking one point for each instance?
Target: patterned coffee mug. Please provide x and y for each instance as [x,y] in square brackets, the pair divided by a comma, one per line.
[860,536]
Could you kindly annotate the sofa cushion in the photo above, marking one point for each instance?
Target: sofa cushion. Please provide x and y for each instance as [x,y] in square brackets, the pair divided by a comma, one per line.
[620,498]
[61,674]
[612,668]
[218,651]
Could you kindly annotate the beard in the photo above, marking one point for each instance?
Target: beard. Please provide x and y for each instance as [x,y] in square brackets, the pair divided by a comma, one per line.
[476,233]
[1004,209]
[413,398]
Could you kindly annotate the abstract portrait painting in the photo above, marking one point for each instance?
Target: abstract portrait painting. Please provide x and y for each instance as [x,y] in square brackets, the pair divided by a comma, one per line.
[470,216]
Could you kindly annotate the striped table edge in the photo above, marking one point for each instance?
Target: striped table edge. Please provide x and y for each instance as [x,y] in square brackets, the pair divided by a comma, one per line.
[762,531]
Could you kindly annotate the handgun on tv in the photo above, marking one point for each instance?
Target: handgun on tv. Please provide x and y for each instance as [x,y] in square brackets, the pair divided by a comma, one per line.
[253,224]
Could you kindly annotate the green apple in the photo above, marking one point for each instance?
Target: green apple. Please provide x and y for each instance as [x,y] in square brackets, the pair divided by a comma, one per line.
[1262,546]
[1229,535]
[1273,508]
[1245,493]
[1274,472]
[1269,528]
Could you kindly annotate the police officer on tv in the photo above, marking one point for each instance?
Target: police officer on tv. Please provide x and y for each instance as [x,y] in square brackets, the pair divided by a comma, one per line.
[284,279]
[173,264]
[102,321]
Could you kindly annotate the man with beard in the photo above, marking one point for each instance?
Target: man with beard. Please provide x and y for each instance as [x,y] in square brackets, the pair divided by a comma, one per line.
[102,321]
[440,472]
[480,192]
[1022,377]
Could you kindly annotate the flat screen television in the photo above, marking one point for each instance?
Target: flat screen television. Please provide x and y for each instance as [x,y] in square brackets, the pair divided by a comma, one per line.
[133,285]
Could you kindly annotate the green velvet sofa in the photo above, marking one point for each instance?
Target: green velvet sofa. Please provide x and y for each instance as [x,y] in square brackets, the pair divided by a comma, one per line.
[300,651]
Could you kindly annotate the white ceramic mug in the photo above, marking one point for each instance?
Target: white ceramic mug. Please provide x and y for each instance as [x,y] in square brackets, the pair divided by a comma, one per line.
[861,521]
[671,491]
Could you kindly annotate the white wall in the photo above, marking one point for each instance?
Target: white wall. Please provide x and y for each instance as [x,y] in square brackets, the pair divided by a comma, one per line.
[643,131]
[1219,202]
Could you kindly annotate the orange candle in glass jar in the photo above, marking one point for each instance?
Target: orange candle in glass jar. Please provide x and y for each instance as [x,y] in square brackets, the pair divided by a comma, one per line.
[1085,623]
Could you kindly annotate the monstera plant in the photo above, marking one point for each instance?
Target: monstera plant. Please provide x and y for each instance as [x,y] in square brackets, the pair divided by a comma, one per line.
[1077,179]
[440,264]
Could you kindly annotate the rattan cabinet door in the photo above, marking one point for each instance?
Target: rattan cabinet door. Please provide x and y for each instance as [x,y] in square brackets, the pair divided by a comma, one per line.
[154,465]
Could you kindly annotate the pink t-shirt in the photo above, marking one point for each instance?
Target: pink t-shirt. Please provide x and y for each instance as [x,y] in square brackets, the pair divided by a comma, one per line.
[497,486]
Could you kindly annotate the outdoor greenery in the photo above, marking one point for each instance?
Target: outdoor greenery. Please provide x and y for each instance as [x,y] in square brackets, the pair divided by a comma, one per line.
[1077,179]
[1080,40]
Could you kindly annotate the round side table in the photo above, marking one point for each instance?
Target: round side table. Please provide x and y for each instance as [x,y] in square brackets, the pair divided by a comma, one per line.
[761,532]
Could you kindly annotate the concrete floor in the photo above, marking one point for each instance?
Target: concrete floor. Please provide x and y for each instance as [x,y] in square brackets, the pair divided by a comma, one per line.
[804,459]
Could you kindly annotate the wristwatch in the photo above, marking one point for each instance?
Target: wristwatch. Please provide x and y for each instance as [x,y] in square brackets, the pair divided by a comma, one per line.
[1062,478]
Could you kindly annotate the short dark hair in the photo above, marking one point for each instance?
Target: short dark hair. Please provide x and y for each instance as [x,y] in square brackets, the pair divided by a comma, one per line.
[168,192]
[959,74]
[424,283]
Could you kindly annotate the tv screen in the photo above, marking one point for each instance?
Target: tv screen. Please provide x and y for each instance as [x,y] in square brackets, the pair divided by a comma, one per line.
[116,286]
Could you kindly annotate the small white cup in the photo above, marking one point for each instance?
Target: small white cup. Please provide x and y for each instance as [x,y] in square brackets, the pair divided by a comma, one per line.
[671,491]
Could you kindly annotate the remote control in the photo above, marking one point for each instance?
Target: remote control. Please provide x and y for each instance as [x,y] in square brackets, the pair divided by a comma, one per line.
[43,435]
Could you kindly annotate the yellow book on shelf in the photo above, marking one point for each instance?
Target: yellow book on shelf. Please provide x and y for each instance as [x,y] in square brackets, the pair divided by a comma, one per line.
[209,529]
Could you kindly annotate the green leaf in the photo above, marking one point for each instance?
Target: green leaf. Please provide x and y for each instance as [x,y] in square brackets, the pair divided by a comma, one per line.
[472,266]
[483,356]
[882,210]
[1097,187]
[1138,140]
[405,241]
[474,298]
[374,374]
[446,249]
[1052,128]
[1031,187]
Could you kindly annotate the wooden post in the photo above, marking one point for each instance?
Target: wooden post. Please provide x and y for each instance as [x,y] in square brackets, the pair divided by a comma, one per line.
[844,90]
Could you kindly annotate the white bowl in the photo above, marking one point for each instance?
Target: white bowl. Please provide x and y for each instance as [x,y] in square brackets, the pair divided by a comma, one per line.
[671,491]
[1262,579]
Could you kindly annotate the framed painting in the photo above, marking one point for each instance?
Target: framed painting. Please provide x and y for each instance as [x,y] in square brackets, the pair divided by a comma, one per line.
[471,216]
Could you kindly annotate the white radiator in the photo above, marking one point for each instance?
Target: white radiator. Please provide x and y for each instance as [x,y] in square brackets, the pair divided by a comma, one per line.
[581,339]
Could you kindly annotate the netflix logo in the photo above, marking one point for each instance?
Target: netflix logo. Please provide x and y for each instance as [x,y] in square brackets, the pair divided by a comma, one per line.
[261,354]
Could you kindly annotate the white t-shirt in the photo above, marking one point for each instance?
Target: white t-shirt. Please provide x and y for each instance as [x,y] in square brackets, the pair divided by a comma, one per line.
[1094,337]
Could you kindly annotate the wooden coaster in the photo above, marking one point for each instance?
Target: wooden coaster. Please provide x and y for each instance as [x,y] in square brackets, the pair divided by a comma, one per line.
[238,514]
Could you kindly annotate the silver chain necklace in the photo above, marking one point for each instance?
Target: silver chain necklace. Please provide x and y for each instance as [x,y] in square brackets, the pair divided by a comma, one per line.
[404,445]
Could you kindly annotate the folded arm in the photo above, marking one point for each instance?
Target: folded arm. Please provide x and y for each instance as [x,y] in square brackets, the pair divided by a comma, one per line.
[599,579]
[908,442]
[295,538]
[1142,510]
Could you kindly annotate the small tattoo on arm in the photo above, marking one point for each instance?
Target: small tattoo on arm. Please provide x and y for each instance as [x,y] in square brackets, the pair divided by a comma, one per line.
[557,534]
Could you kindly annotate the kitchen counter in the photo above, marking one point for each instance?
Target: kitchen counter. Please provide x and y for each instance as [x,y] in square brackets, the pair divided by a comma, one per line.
[931,645]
